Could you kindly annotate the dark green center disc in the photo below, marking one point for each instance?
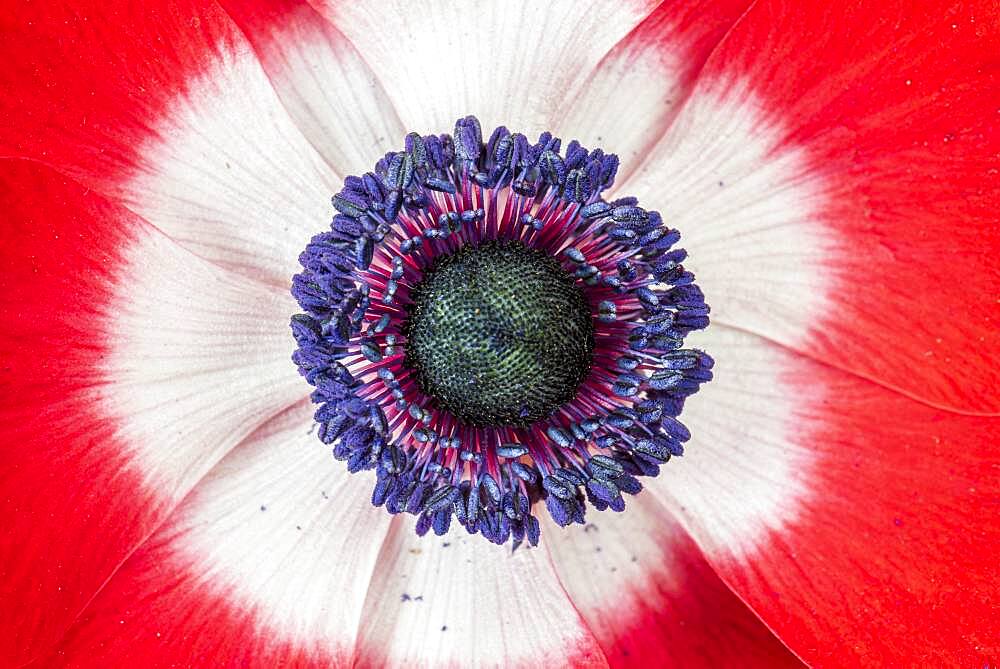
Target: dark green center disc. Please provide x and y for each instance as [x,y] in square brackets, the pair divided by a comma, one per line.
[499,334]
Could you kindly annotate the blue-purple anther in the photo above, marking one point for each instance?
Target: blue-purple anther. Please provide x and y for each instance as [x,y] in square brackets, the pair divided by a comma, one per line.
[419,206]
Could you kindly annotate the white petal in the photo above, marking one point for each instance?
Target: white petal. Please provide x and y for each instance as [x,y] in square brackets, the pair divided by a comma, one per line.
[230,177]
[747,213]
[332,95]
[628,101]
[649,595]
[742,473]
[281,528]
[267,563]
[197,359]
[507,63]
[648,79]
[460,601]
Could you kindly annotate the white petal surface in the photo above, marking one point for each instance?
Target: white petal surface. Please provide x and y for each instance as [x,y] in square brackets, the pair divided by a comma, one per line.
[650,597]
[197,359]
[747,213]
[645,75]
[331,94]
[742,473]
[285,530]
[507,63]
[460,601]
[230,177]
[267,563]
[628,101]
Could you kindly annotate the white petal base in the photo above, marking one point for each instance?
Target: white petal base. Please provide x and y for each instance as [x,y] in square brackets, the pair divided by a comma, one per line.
[742,473]
[198,357]
[230,177]
[282,528]
[748,211]
[457,601]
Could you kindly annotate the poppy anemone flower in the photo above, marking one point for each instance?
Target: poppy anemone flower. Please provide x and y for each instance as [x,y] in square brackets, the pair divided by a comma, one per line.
[501,332]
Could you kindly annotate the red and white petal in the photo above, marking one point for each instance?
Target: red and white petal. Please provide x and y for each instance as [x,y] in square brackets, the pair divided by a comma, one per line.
[507,63]
[458,601]
[130,367]
[333,96]
[857,522]
[747,215]
[168,111]
[649,596]
[277,559]
[834,176]
[267,563]
[627,102]
[741,470]
[196,358]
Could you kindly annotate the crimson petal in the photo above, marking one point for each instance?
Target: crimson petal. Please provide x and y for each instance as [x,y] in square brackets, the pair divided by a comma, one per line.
[167,110]
[858,523]
[130,367]
[865,231]
[651,598]
[277,559]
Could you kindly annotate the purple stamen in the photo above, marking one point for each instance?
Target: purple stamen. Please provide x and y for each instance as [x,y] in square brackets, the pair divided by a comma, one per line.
[444,193]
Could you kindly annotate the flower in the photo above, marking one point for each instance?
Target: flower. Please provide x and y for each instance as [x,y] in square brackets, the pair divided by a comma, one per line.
[832,170]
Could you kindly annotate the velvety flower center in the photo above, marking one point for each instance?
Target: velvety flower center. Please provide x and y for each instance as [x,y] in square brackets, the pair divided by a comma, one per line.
[489,334]
[499,334]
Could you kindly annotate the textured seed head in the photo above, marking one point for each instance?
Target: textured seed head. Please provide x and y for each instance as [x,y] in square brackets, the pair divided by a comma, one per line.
[499,334]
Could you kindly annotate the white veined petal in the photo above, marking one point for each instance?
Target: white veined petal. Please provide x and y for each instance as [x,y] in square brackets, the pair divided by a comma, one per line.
[742,474]
[458,600]
[747,213]
[230,177]
[507,63]
[650,597]
[629,99]
[266,563]
[197,358]
[282,528]
[279,554]
[331,94]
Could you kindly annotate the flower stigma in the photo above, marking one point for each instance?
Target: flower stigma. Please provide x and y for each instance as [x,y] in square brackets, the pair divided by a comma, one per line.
[499,334]
[489,334]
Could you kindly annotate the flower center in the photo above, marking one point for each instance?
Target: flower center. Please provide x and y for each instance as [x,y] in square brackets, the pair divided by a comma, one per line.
[499,334]
[491,336]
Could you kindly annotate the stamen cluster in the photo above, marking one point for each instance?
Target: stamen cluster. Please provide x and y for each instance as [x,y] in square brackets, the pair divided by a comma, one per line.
[450,192]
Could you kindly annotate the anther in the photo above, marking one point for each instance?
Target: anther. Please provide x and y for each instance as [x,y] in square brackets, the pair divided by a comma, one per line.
[541,328]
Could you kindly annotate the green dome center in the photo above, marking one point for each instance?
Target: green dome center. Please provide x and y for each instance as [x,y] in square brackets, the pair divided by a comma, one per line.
[499,334]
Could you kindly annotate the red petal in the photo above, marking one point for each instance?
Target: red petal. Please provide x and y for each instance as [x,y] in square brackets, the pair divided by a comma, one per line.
[884,550]
[68,490]
[277,559]
[651,599]
[265,564]
[890,113]
[167,110]
[130,368]
[85,85]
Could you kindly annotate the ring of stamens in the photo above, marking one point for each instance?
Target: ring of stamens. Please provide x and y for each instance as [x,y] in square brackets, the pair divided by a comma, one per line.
[363,348]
